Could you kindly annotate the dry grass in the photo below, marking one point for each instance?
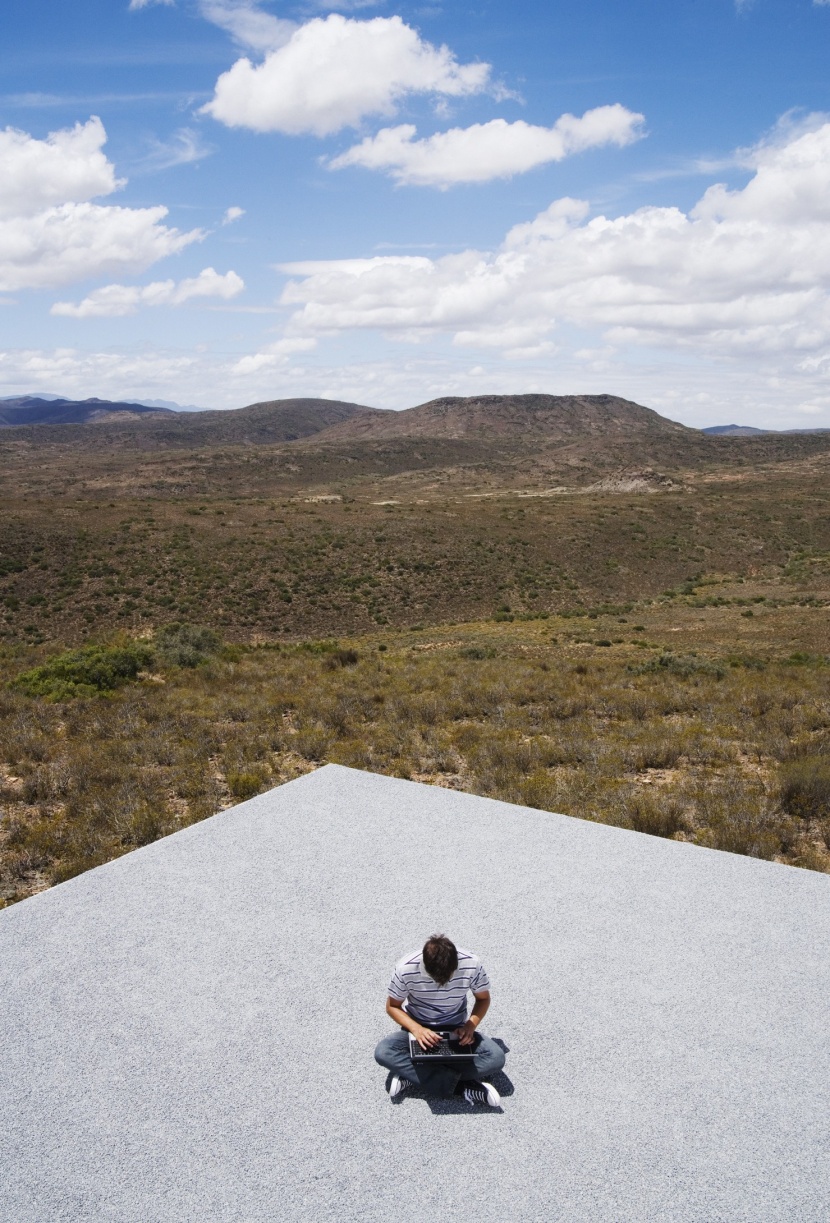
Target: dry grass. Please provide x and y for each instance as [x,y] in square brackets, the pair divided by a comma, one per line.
[652,661]
[252,567]
[703,748]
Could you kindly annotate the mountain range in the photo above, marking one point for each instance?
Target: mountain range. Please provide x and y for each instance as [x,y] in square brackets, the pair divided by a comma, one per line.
[33,410]
[257,424]
[291,419]
[473,446]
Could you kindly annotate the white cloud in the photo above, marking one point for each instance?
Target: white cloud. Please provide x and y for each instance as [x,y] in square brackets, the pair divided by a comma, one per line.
[350,6]
[184,148]
[68,165]
[113,301]
[247,23]
[244,20]
[114,375]
[276,354]
[78,241]
[50,232]
[758,391]
[232,214]
[485,151]
[333,72]
[745,271]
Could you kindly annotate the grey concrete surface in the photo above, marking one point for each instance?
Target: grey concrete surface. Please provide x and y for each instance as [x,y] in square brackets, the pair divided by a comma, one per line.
[187,1033]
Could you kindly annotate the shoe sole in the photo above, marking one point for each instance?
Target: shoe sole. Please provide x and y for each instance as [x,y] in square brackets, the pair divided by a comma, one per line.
[493,1097]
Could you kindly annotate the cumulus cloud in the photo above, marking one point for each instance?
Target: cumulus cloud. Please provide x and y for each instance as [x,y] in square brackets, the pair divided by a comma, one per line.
[334,71]
[67,165]
[276,354]
[50,231]
[137,4]
[78,241]
[744,271]
[232,214]
[485,151]
[113,301]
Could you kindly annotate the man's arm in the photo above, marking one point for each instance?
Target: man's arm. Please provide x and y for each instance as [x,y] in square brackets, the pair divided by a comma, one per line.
[424,1036]
[466,1033]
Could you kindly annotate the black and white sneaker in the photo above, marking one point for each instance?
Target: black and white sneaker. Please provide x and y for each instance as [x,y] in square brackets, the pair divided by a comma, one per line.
[397,1085]
[482,1093]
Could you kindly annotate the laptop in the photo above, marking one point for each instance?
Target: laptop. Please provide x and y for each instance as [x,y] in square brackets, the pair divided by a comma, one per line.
[447,1050]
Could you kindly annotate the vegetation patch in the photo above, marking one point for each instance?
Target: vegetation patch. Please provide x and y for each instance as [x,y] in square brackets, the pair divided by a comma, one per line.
[805,787]
[86,672]
[683,665]
[733,758]
[185,645]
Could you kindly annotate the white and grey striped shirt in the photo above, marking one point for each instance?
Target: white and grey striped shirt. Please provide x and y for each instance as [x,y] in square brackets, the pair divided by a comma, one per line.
[434,1005]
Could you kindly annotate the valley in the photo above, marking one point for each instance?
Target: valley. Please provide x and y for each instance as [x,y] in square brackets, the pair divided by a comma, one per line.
[570,603]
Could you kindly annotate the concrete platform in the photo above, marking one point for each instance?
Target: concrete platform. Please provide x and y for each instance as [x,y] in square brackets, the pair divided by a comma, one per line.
[666,1008]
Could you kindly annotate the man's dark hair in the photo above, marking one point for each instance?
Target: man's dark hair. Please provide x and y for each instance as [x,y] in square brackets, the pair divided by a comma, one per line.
[440,958]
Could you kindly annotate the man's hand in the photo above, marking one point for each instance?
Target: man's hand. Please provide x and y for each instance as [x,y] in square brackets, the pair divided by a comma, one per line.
[465,1035]
[425,1037]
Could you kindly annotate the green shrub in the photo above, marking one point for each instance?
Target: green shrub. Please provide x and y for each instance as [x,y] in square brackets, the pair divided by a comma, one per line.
[655,814]
[682,665]
[805,787]
[85,672]
[341,658]
[312,742]
[245,785]
[185,645]
[738,818]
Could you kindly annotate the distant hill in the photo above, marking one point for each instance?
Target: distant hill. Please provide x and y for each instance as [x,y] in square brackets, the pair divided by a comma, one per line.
[33,410]
[175,407]
[732,430]
[258,424]
[511,418]
[750,431]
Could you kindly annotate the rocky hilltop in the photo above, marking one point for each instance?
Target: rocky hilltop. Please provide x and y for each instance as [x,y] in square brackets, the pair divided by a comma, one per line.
[507,417]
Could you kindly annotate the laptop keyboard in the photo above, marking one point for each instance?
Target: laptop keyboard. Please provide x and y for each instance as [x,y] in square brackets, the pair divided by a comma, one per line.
[442,1049]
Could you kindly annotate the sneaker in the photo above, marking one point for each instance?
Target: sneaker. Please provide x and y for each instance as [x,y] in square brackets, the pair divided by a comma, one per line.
[482,1093]
[398,1085]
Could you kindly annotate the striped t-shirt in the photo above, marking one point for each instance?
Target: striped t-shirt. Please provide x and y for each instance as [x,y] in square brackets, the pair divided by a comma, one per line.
[434,1005]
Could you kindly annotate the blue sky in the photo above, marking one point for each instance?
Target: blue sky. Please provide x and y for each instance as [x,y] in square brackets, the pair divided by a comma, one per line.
[220,201]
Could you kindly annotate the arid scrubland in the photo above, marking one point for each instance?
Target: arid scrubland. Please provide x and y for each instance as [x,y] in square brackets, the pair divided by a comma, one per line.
[643,649]
[680,722]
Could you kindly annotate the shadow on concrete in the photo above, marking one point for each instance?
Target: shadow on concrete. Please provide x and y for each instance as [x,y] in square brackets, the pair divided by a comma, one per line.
[443,1106]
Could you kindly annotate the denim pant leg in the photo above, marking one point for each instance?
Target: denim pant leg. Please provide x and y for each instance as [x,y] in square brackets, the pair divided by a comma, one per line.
[438,1080]
[488,1060]
[393,1053]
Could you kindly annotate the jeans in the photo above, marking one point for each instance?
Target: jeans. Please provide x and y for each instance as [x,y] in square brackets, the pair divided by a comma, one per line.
[440,1078]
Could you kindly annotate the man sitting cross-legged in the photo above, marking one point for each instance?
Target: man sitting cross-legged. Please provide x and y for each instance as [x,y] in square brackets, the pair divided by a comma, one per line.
[427,993]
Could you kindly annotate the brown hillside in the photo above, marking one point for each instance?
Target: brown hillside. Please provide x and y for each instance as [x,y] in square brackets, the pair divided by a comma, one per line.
[258,424]
[562,418]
